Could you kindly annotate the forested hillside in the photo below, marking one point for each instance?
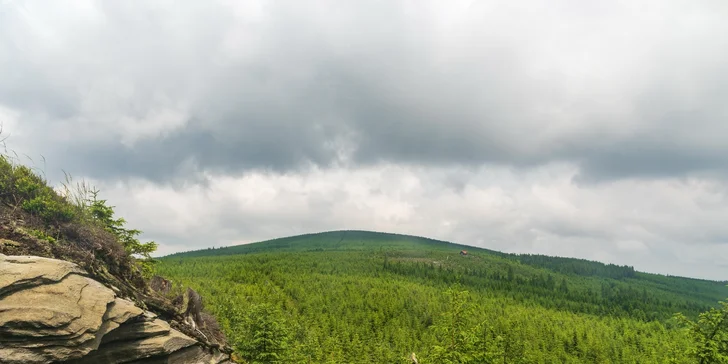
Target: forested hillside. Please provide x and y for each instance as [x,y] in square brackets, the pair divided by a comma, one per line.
[364,297]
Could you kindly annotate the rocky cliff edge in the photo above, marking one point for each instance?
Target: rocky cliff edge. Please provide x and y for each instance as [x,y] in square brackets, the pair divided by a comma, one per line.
[52,311]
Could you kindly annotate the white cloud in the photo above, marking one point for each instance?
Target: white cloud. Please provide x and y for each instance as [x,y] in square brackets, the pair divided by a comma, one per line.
[631,246]
[641,223]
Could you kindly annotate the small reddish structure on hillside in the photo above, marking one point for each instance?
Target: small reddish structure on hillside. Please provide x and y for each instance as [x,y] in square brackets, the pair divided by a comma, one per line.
[463,252]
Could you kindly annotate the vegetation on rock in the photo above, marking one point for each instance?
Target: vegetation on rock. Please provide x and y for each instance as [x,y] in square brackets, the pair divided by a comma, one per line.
[84,227]
[71,223]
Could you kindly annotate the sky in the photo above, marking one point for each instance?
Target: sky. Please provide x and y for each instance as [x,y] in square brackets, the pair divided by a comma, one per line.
[578,128]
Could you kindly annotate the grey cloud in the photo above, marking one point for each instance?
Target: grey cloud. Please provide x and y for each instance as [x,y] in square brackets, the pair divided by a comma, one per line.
[559,127]
[645,158]
[185,153]
[393,84]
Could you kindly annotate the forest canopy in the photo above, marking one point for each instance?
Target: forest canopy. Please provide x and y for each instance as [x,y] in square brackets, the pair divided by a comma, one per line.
[363,297]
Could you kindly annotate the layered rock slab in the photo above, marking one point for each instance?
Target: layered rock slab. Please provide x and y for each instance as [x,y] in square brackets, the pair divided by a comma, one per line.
[50,312]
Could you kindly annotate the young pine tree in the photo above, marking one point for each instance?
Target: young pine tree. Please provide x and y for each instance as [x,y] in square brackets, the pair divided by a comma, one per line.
[268,338]
[456,336]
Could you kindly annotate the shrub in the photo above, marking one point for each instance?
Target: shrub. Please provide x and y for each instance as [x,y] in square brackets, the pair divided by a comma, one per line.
[104,215]
[42,235]
[21,187]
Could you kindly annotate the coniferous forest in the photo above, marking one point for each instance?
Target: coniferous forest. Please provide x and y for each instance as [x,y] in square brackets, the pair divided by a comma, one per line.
[364,297]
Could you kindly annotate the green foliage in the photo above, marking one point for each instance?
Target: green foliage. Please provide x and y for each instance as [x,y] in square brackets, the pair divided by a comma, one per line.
[710,335]
[457,340]
[103,214]
[359,297]
[580,267]
[42,235]
[267,336]
[21,187]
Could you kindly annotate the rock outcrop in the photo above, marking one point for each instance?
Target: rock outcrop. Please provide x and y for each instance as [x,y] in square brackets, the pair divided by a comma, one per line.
[52,311]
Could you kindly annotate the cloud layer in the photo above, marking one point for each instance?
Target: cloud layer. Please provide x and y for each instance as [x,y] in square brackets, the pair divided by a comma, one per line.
[560,127]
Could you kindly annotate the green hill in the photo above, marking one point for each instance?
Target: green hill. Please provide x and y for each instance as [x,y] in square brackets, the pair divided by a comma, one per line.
[357,296]
[617,284]
[337,240]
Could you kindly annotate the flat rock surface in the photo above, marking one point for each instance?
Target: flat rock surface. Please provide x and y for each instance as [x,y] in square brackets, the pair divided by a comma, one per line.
[27,271]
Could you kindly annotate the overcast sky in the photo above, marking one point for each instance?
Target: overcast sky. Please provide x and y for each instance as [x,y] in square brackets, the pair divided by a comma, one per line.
[584,128]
